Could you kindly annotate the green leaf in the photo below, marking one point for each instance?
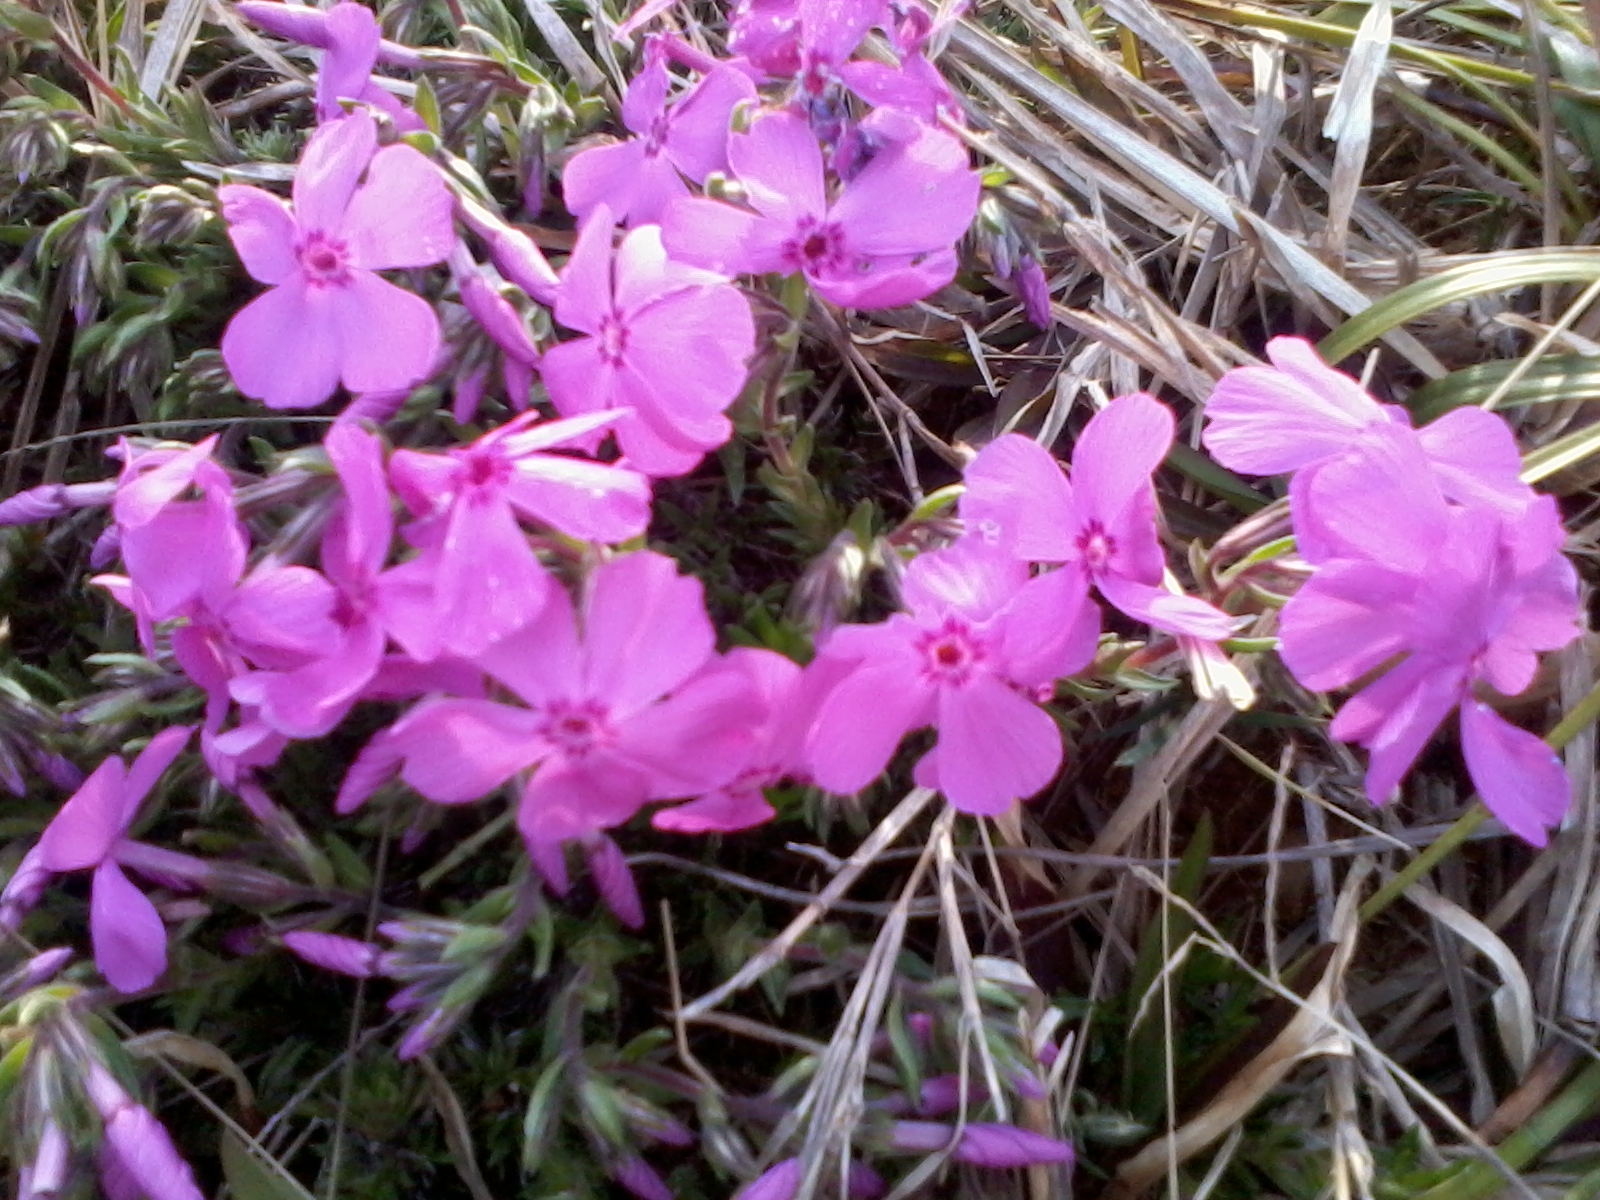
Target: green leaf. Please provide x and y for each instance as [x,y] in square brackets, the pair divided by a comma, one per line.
[1491,273]
[26,23]
[1558,377]
[251,1175]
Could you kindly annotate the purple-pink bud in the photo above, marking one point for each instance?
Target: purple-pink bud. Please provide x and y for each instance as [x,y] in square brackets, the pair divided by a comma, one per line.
[23,889]
[640,1178]
[992,1145]
[38,969]
[36,504]
[514,253]
[376,407]
[332,952]
[1033,289]
[615,881]
[142,1148]
[46,1176]
[499,319]
[106,547]
[863,1183]
[778,1182]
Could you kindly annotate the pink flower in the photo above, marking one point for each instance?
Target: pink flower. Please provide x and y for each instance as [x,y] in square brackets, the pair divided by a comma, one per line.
[130,942]
[809,38]
[666,342]
[181,541]
[886,239]
[619,712]
[1467,595]
[978,645]
[356,604]
[1300,415]
[637,178]
[329,318]
[484,577]
[1102,525]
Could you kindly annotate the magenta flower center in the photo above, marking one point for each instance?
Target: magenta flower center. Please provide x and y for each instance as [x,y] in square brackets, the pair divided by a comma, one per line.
[577,728]
[817,247]
[486,469]
[613,339]
[950,653]
[325,261]
[1096,546]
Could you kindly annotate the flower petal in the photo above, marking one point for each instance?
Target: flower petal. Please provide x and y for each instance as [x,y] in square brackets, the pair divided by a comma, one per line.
[262,231]
[860,724]
[780,164]
[995,748]
[332,162]
[388,337]
[130,942]
[1161,609]
[931,176]
[1521,779]
[282,349]
[1018,498]
[1350,618]
[584,301]
[457,751]
[401,215]
[645,630]
[89,824]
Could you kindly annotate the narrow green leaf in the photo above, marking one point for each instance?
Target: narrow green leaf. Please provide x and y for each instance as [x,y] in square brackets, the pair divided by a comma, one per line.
[251,1178]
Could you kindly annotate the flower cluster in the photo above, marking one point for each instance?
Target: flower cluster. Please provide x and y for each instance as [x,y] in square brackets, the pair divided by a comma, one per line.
[1430,554]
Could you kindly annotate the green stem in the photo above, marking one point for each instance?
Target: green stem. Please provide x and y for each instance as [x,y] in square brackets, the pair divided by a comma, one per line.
[1478,1179]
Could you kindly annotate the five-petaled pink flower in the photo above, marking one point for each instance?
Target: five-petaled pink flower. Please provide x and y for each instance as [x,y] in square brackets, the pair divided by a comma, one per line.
[1101,526]
[978,645]
[637,178]
[666,343]
[887,238]
[329,318]
[619,711]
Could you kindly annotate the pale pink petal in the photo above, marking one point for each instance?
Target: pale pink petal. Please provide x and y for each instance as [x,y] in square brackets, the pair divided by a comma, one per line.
[82,833]
[1521,779]
[636,184]
[860,725]
[356,547]
[1161,609]
[780,165]
[1017,498]
[388,337]
[1350,618]
[1050,630]
[333,160]
[310,701]
[650,446]
[973,577]
[283,609]
[130,942]
[352,33]
[995,748]
[579,380]
[1396,717]
[262,231]
[584,301]
[697,739]
[282,348]
[457,751]
[723,238]
[543,660]
[697,130]
[400,216]
[645,101]
[887,282]
[378,762]
[151,765]
[568,799]
[490,583]
[1117,453]
[646,273]
[1271,420]
[693,347]
[930,177]
[725,811]
[586,500]
[1355,500]
[645,630]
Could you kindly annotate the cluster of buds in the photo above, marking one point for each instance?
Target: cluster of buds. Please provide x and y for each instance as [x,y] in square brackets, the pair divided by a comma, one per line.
[66,1088]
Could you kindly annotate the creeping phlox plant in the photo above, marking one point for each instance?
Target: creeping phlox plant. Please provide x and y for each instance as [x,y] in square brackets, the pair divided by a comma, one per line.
[501,592]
